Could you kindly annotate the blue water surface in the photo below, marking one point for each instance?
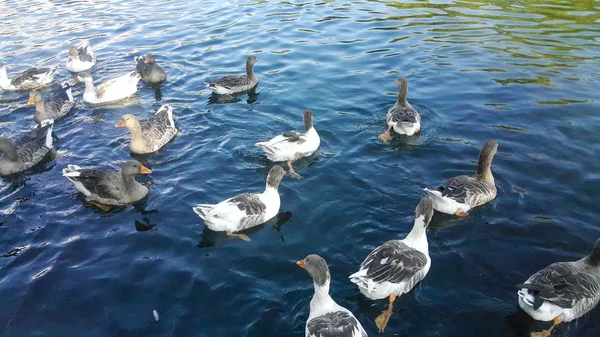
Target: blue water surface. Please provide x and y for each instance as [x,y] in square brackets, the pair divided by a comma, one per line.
[525,73]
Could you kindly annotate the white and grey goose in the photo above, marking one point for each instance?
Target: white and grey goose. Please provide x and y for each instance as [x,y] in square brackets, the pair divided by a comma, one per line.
[327,318]
[402,117]
[106,189]
[459,194]
[563,291]
[244,210]
[26,152]
[293,145]
[235,84]
[58,104]
[157,132]
[396,266]
[112,90]
[30,79]
[81,57]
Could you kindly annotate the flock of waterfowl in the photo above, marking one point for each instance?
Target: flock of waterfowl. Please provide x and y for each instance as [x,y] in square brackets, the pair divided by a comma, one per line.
[560,292]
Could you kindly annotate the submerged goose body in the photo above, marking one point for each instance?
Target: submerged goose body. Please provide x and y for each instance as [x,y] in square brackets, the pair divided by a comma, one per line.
[327,318]
[81,57]
[402,117]
[58,104]
[109,188]
[563,291]
[245,210]
[293,145]
[110,91]
[30,79]
[235,84]
[459,194]
[26,152]
[395,267]
[157,132]
[150,71]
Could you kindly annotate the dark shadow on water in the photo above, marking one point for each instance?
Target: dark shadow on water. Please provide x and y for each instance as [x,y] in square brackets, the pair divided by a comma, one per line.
[224,99]
[211,238]
[157,92]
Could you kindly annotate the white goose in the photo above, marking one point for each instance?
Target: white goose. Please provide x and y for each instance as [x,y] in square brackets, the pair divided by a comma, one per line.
[459,194]
[112,90]
[245,210]
[293,145]
[30,79]
[395,267]
[81,58]
[327,318]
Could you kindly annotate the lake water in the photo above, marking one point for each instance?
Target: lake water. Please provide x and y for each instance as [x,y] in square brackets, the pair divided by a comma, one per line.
[525,73]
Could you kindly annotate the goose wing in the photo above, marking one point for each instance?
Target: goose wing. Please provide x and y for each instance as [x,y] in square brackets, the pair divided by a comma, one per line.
[161,127]
[393,262]
[467,190]
[31,77]
[562,284]
[85,52]
[244,210]
[101,183]
[400,114]
[335,324]
[34,146]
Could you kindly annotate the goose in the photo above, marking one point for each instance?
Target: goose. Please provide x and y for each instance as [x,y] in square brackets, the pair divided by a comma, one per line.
[105,189]
[58,104]
[81,58]
[26,152]
[293,145]
[402,117]
[244,210]
[459,194]
[30,79]
[327,318]
[396,266]
[150,71]
[235,84]
[112,90]
[563,291]
[157,132]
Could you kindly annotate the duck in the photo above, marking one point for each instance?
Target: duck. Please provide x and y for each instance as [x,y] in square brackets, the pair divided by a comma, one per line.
[157,132]
[107,189]
[81,57]
[150,71]
[28,151]
[235,84]
[402,117]
[30,79]
[58,104]
[563,291]
[112,90]
[459,194]
[396,266]
[327,318]
[244,210]
[293,145]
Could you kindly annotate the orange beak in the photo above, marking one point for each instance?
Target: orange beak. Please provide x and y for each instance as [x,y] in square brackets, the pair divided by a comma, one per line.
[74,53]
[30,100]
[146,60]
[76,80]
[120,124]
[301,263]
[145,170]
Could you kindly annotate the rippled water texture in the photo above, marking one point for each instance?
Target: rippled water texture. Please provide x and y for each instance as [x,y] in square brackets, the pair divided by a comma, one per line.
[523,72]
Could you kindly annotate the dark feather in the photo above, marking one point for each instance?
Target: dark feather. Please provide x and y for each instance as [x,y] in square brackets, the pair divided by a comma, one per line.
[294,137]
[393,262]
[97,182]
[333,324]
[249,203]
[561,284]
[28,75]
